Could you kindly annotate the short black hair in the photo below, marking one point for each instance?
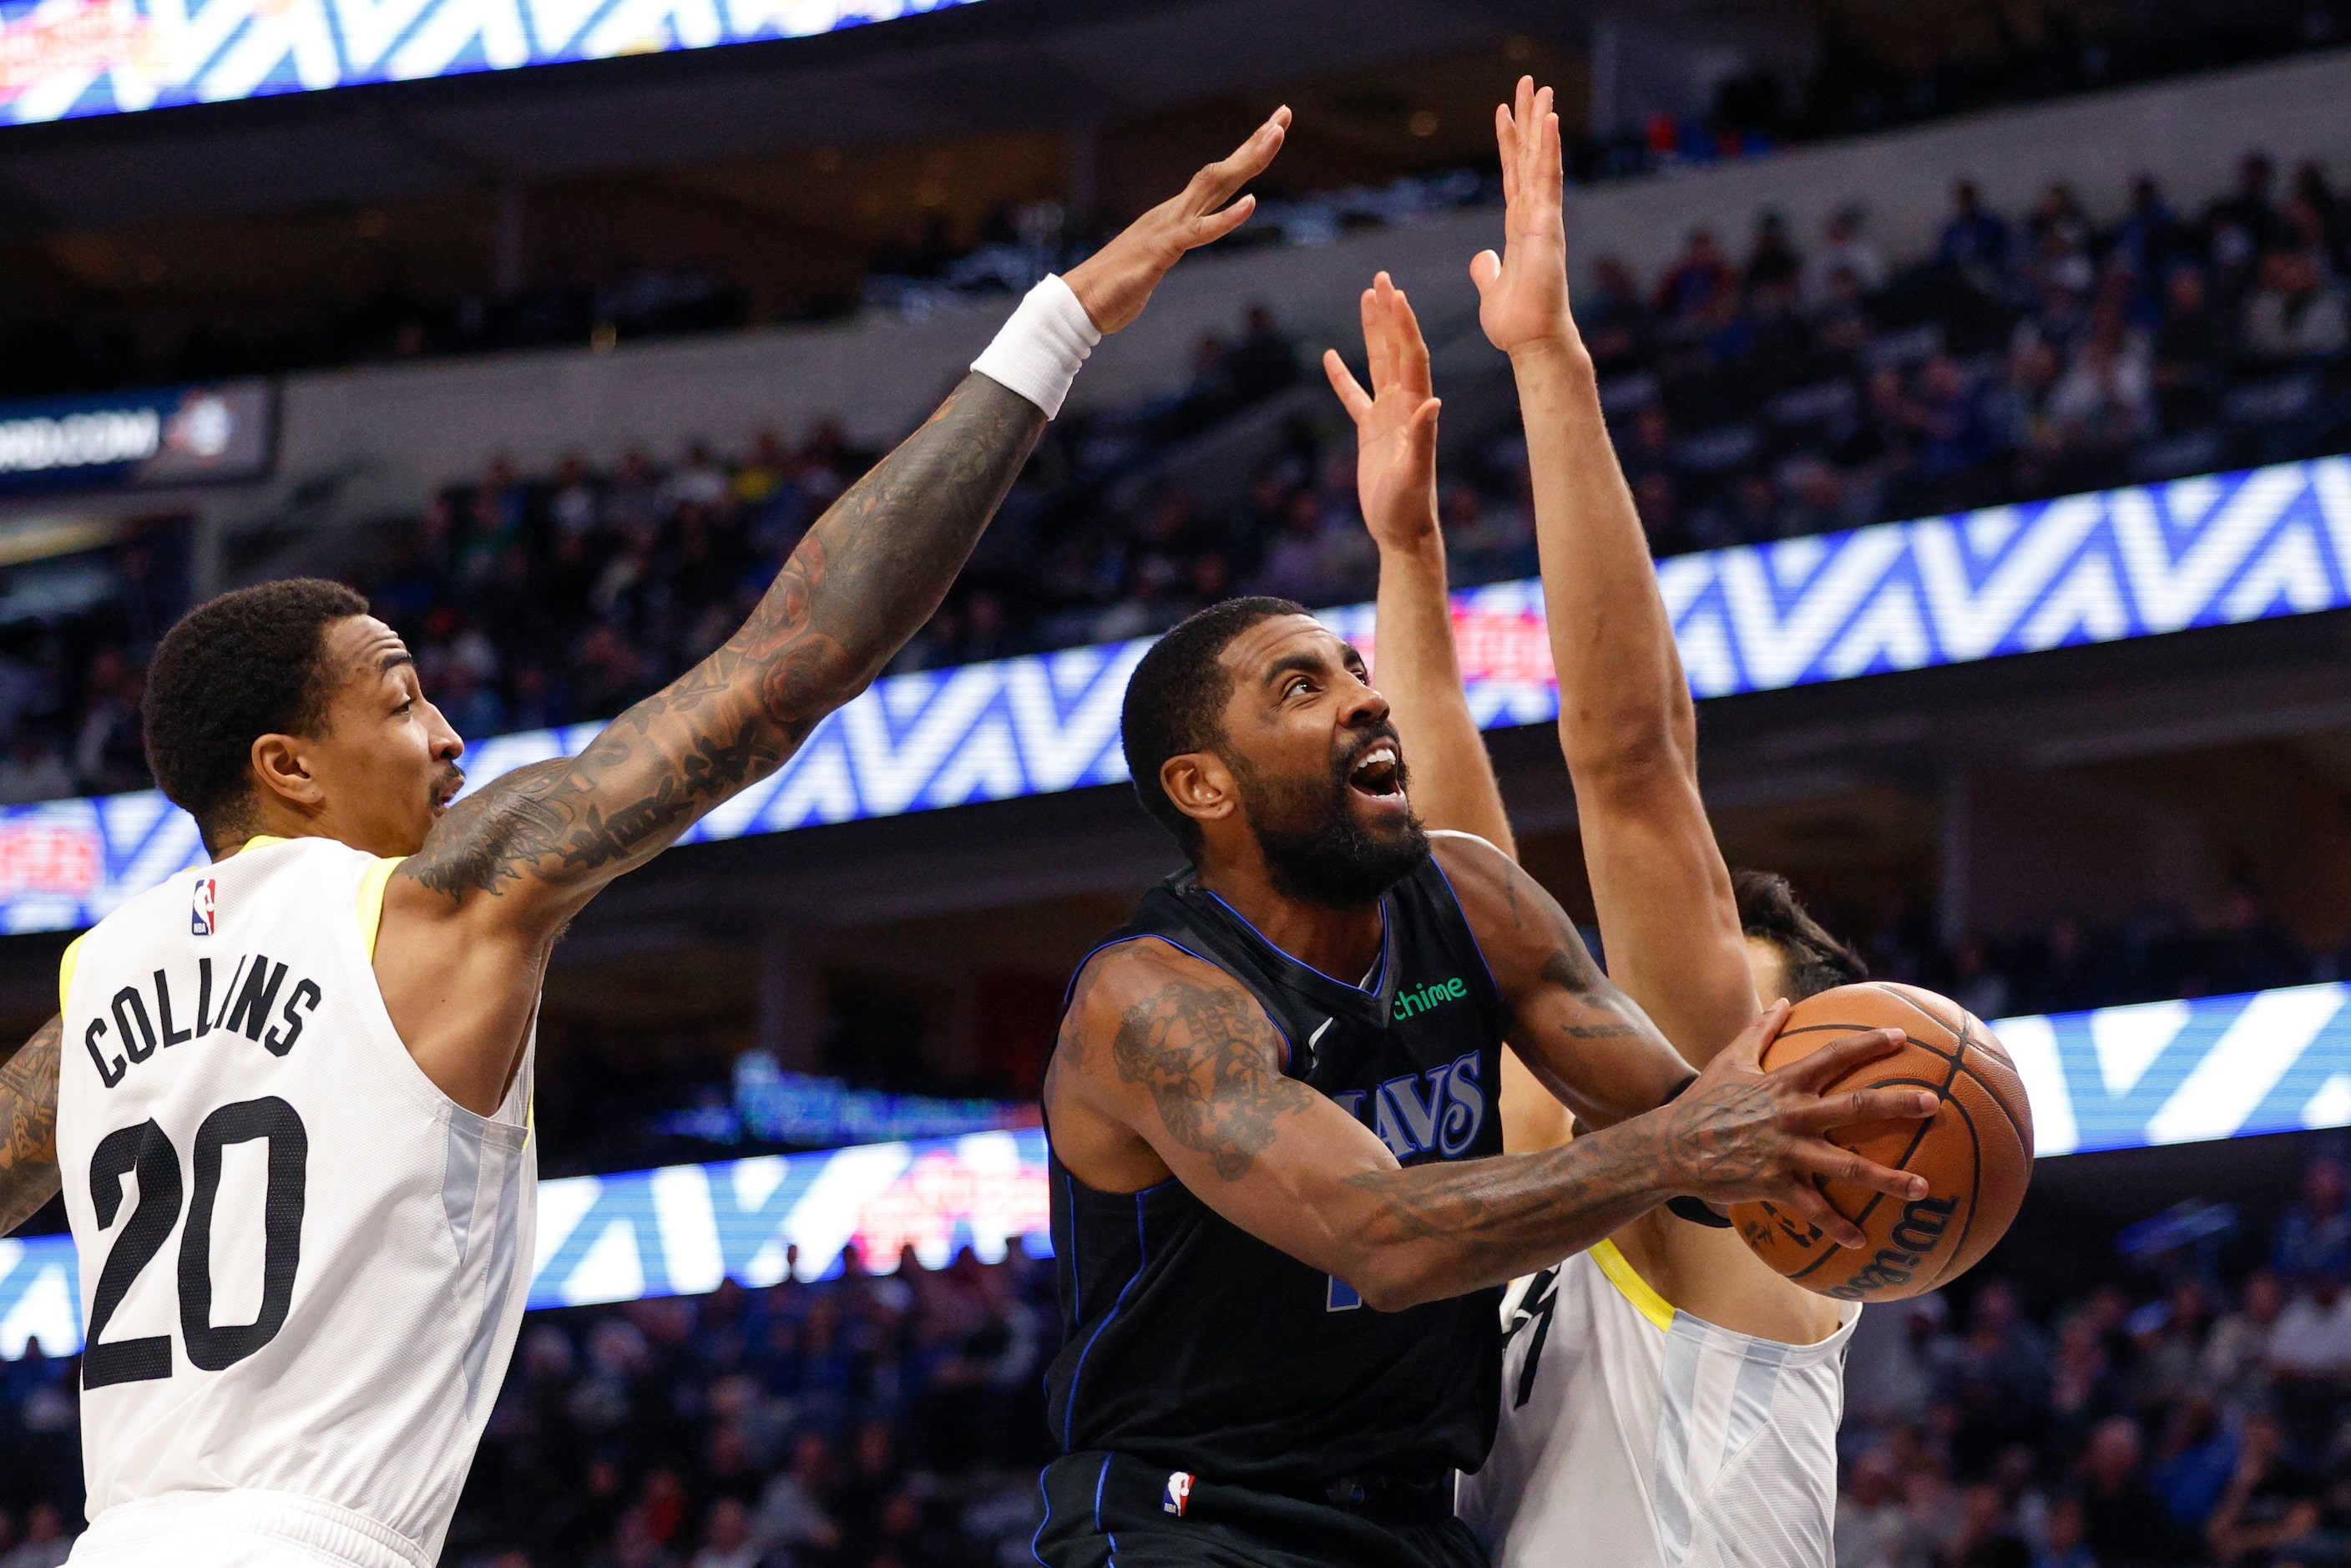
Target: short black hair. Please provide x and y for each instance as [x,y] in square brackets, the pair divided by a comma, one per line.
[232,670]
[1769,911]
[1175,699]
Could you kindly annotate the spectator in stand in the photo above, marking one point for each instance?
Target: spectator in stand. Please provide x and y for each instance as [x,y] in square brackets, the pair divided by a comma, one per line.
[1617,326]
[1697,282]
[1844,245]
[1872,1526]
[1773,262]
[2105,398]
[2245,223]
[1264,361]
[2192,351]
[1975,241]
[2271,1506]
[45,1542]
[2314,1239]
[2298,314]
[2125,1524]
[2151,240]
[2237,1355]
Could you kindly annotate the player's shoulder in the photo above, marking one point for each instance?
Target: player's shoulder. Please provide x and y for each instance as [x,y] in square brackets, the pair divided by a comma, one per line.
[1466,855]
[1496,897]
[1140,970]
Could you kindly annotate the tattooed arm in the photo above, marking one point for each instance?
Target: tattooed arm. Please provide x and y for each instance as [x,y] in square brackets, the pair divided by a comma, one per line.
[1586,1042]
[28,1126]
[1166,1065]
[469,921]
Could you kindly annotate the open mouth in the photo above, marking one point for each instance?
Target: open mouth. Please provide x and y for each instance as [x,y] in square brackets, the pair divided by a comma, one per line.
[447,793]
[1378,772]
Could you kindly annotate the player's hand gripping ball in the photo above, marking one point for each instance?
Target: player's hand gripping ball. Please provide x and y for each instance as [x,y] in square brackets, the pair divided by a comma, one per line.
[1976,1151]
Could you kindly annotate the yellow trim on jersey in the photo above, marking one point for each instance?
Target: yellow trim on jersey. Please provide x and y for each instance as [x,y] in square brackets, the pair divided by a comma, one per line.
[66,969]
[372,886]
[259,842]
[1628,1279]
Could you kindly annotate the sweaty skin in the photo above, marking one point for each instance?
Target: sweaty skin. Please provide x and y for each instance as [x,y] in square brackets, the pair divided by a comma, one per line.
[1166,1066]
[487,885]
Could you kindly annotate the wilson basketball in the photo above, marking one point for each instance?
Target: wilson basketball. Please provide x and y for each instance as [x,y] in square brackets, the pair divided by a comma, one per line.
[1976,1151]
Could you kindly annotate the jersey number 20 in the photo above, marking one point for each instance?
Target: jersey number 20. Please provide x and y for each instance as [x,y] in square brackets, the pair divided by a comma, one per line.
[145,1151]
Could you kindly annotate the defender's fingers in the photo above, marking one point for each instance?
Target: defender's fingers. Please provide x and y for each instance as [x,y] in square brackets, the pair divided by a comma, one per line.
[1857,1106]
[1833,1060]
[1818,1212]
[1214,226]
[1352,396]
[1834,1163]
[1380,333]
[1414,346]
[1213,185]
[1506,139]
[1485,271]
[1421,430]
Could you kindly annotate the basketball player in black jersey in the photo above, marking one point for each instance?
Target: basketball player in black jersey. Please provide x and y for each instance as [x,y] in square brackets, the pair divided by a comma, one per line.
[1282,1213]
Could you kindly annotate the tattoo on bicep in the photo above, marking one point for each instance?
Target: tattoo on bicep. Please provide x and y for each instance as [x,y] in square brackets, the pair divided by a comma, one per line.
[1212,1066]
[868,574]
[28,1126]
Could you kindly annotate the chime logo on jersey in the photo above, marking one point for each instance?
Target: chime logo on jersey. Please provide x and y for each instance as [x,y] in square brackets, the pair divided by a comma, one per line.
[204,913]
[1179,1493]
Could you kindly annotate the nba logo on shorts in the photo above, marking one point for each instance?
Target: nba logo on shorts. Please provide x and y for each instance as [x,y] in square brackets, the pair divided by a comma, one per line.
[1179,1493]
[201,916]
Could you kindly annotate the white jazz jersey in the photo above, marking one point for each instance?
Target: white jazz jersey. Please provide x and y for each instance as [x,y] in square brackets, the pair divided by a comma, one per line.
[302,1265]
[1640,1436]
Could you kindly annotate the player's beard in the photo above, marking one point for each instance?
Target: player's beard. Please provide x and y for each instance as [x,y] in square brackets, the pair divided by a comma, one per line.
[1315,847]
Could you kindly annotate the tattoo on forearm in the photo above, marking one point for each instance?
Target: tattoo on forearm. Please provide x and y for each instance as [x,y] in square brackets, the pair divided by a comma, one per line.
[1213,1068]
[867,576]
[1498,1218]
[28,1126]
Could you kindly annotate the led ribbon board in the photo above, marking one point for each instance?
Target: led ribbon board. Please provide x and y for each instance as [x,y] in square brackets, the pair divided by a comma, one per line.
[2099,568]
[60,58]
[2115,1078]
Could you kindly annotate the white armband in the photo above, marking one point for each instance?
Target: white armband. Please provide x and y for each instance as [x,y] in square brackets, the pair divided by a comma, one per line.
[1039,351]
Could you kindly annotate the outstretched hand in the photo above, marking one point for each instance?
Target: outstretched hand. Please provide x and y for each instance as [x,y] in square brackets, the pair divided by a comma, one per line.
[1395,421]
[1115,282]
[1522,293]
[1739,1133]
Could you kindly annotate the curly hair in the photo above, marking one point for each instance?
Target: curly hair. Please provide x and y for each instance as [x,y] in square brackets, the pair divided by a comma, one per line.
[1176,698]
[232,670]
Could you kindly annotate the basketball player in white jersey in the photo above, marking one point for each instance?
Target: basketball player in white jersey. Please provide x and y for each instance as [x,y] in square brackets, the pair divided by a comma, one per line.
[287,1095]
[1668,1400]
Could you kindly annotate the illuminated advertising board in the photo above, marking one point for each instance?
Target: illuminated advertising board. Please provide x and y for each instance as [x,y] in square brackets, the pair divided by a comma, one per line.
[61,58]
[2212,551]
[139,440]
[2113,1078]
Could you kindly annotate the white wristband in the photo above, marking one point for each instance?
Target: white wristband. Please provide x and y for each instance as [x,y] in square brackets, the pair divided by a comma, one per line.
[1039,351]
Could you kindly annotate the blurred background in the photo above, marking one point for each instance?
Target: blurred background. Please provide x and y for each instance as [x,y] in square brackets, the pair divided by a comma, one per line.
[1982,370]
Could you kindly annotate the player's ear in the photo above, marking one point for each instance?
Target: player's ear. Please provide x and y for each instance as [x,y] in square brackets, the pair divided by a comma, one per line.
[282,765]
[1201,786]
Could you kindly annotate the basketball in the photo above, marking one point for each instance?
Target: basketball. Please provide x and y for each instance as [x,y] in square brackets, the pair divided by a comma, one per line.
[1976,1151]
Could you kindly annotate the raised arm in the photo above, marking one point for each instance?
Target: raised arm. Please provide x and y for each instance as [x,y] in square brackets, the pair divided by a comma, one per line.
[28,1126]
[1668,919]
[546,837]
[1171,1050]
[1416,664]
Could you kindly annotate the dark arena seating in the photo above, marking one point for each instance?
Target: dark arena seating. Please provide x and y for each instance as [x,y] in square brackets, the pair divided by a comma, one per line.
[1982,377]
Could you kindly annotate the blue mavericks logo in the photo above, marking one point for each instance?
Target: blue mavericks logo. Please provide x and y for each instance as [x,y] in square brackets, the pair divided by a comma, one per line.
[1439,1110]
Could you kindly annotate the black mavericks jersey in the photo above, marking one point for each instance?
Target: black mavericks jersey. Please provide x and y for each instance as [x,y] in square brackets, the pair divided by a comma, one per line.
[1190,1343]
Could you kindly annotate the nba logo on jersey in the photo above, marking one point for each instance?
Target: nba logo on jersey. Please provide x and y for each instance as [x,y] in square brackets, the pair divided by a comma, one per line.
[201,915]
[1179,1493]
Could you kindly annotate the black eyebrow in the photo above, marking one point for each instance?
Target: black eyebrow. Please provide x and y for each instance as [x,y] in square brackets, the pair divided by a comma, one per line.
[393,661]
[1295,663]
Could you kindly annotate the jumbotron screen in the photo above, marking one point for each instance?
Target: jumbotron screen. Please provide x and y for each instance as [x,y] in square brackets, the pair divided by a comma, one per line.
[62,59]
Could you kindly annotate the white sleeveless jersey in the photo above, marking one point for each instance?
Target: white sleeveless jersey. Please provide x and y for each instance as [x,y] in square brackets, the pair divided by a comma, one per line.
[1637,1436]
[302,1265]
